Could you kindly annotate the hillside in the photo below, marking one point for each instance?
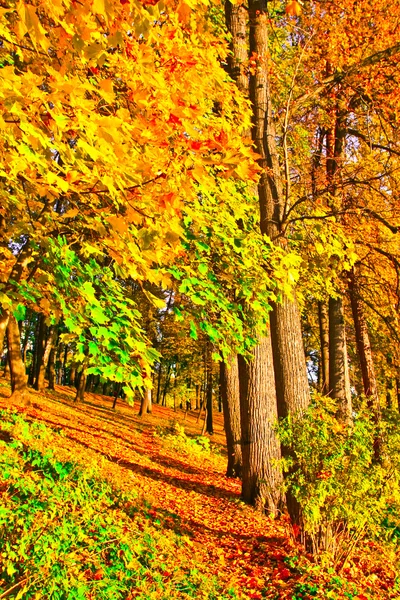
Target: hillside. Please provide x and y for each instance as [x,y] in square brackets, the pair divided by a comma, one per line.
[106,505]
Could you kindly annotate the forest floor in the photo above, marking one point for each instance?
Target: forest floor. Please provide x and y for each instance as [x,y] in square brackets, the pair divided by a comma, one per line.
[180,489]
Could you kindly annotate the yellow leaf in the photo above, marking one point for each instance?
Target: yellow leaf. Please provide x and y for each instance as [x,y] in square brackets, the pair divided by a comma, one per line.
[106,85]
[118,224]
[293,9]
[98,7]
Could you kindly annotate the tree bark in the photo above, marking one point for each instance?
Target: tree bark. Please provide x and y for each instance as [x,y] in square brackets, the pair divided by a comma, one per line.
[293,394]
[236,21]
[44,359]
[230,395]
[209,392]
[19,384]
[52,369]
[289,364]
[338,379]
[261,474]
[323,319]
[145,403]
[363,344]
[81,386]
[159,384]
[4,316]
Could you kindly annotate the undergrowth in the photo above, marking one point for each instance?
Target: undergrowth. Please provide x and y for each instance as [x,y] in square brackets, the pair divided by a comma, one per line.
[176,438]
[66,534]
[347,494]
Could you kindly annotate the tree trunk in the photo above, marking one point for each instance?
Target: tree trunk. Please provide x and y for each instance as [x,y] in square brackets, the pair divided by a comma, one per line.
[145,403]
[229,386]
[236,21]
[4,316]
[323,319]
[289,364]
[44,359]
[116,394]
[81,386]
[209,392]
[293,394]
[363,345]
[19,382]
[398,392]
[36,337]
[166,386]
[159,384]
[338,381]
[52,369]
[63,378]
[39,350]
[6,371]
[261,474]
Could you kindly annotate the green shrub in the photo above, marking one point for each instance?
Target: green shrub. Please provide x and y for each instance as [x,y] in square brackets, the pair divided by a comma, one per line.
[345,493]
[175,437]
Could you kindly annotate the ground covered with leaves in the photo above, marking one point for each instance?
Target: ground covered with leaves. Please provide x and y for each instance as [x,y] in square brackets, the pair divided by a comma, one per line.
[97,504]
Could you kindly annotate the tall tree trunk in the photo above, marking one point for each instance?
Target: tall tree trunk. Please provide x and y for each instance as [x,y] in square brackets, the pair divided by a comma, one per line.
[159,384]
[39,349]
[230,395]
[289,364]
[209,392]
[363,345]
[117,390]
[166,385]
[293,394]
[261,473]
[4,316]
[398,392]
[81,386]
[323,319]
[19,382]
[63,370]
[338,378]
[52,369]
[44,359]
[145,403]
[36,338]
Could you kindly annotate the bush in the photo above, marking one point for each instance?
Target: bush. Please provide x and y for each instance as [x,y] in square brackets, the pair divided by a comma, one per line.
[175,437]
[344,492]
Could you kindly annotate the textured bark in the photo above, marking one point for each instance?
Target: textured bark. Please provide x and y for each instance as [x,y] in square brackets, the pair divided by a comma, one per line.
[398,392]
[4,316]
[338,382]
[292,386]
[209,392]
[19,384]
[159,383]
[145,403]
[230,396]
[44,359]
[81,386]
[363,344]
[262,477]
[259,410]
[323,318]
[52,368]
[236,21]
[37,343]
